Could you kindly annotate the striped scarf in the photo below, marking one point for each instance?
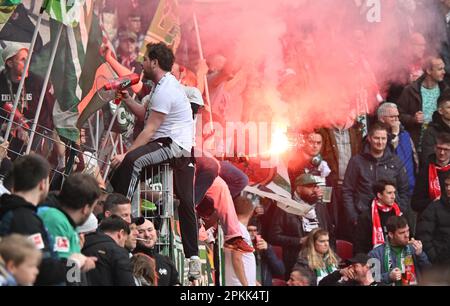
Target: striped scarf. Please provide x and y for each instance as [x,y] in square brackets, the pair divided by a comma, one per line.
[377,231]
[434,187]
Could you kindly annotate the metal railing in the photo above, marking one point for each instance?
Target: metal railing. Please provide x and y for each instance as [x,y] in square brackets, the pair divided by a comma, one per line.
[156,203]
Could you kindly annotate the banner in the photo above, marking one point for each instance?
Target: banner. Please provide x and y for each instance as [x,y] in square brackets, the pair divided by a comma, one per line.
[65,11]
[76,63]
[7,7]
[165,27]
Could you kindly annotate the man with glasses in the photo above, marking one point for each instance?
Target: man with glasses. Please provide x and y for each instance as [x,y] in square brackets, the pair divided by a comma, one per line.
[440,124]
[430,181]
[401,140]
[146,241]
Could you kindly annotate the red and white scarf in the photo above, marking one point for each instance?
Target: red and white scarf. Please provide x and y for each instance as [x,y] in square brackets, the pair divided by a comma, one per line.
[434,187]
[377,231]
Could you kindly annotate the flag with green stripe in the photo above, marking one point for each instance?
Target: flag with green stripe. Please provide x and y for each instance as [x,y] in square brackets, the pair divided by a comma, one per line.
[7,8]
[10,2]
[76,62]
[165,27]
[65,11]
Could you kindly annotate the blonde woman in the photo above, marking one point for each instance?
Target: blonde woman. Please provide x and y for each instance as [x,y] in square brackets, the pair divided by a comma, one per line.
[317,255]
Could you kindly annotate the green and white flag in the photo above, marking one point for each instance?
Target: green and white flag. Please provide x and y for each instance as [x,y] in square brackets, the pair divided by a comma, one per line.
[7,7]
[165,27]
[10,2]
[67,12]
[76,62]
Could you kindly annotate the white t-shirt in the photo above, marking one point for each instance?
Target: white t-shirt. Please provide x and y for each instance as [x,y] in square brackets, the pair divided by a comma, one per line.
[248,260]
[169,98]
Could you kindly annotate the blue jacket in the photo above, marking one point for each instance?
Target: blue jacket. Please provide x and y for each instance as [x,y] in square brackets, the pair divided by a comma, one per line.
[405,153]
[420,262]
[270,265]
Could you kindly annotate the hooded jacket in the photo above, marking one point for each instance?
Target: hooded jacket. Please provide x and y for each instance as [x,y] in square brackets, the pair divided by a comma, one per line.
[166,271]
[287,230]
[113,266]
[433,229]
[19,216]
[436,127]
[421,198]
[363,171]
[409,103]
[421,261]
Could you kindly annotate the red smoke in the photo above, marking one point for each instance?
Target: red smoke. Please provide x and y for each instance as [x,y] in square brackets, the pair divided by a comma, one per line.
[312,62]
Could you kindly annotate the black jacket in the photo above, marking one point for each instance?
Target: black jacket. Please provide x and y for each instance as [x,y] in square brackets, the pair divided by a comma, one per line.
[421,198]
[287,230]
[33,87]
[436,127]
[334,278]
[19,216]
[113,266]
[409,103]
[433,229]
[165,268]
[270,265]
[363,231]
[363,171]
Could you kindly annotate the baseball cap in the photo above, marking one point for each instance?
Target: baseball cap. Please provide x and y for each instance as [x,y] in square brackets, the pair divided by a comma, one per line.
[194,95]
[134,17]
[307,179]
[12,49]
[359,258]
[127,35]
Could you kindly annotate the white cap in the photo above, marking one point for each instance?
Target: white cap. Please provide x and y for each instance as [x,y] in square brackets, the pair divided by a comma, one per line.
[194,95]
[89,226]
[12,48]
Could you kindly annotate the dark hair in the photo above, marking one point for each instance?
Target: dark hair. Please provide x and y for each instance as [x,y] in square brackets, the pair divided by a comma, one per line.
[113,200]
[162,53]
[253,221]
[380,186]
[138,221]
[305,272]
[78,190]
[378,126]
[444,97]
[28,171]
[114,224]
[442,138]
[396,222]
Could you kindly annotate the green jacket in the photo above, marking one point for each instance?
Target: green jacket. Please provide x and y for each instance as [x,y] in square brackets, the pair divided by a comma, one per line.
[62,229]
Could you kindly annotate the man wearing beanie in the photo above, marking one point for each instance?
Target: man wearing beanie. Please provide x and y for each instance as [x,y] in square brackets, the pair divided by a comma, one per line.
[14,56]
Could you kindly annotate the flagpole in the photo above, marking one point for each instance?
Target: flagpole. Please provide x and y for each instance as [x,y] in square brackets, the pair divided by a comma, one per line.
[105,141]
[97,132]
[44,88]
[120,144]
[25,69]
[113,152]
[205,80]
